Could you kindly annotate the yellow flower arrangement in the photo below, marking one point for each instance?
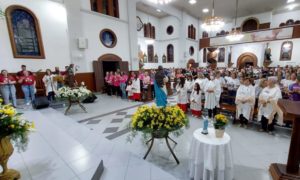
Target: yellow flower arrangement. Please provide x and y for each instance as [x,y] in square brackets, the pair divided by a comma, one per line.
[220,121]
[151,118]
[12,125]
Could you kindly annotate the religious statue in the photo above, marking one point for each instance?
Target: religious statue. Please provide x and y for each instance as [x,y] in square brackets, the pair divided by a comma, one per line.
[268,54]
[70,76]
[205,126]
[160,93]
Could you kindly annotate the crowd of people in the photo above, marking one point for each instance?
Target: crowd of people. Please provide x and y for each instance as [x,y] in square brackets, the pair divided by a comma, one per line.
[197,88]
[27,79]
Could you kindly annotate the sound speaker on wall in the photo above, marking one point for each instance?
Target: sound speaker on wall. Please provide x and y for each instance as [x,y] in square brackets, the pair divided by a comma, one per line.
[82,43]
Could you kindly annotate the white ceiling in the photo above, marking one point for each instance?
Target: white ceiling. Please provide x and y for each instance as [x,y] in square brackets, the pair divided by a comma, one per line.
[226,8]
[150,10]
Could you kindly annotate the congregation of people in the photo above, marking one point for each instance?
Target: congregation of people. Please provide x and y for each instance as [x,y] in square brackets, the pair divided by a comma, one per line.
[250,89]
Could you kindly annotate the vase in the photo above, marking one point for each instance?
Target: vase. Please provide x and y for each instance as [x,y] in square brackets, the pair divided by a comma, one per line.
[6,150]
[160,134]
[219,133]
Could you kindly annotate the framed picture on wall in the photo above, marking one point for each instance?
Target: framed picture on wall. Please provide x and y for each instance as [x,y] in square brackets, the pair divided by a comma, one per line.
[221,57]
[286,51]
[108,38]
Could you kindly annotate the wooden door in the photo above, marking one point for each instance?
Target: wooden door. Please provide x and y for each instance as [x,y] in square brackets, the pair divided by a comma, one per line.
[124,66]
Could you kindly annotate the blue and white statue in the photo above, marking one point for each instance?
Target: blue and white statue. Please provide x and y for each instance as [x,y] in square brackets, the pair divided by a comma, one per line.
[205,125]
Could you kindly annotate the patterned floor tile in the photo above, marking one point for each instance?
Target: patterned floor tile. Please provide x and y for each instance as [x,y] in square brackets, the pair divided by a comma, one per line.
[116,120]
[97,121]
[110,130]
[121,113]
[128,116]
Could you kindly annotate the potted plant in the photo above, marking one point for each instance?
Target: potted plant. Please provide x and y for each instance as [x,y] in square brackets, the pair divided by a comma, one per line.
[220,123]
[13,129]
[73,95]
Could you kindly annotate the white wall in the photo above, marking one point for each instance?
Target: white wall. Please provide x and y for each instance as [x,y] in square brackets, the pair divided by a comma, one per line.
[54,31]
[256,48]
[279,18]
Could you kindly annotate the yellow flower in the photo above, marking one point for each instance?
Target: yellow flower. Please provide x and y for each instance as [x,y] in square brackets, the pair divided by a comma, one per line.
[12,126]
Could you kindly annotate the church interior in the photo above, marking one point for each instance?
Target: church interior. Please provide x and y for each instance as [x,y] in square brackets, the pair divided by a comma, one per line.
[149,89]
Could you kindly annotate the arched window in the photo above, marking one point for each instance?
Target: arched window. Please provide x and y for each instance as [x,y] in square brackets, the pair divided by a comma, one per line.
[170,53]
[150,49]
[250,24]
[24,33]
[108,7]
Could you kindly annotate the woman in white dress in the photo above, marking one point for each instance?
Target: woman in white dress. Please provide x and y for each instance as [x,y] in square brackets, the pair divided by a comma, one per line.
[245,99]
[212,90]
[268,105]
[195,100]
[136,88]
[182,95]
[50,85]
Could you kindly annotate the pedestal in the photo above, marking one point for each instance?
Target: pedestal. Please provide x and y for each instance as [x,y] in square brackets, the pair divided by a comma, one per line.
[290,171]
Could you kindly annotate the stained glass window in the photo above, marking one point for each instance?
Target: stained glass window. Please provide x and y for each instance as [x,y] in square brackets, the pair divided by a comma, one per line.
[24,33]
[170,53]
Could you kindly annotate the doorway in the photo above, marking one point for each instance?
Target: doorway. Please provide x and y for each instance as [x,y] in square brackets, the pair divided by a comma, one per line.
[109,66]
[246,60]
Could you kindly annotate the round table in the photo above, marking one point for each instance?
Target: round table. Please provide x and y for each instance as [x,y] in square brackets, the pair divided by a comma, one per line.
[210,157]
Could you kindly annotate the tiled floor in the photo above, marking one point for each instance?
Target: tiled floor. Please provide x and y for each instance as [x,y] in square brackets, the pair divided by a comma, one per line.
[71,147]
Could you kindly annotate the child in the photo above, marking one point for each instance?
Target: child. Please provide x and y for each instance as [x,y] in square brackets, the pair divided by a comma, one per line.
[129,90]
[182,97]
[196,101]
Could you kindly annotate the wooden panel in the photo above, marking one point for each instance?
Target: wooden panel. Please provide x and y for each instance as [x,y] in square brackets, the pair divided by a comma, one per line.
[296,32]
[264,26]
[87,78]
[204,43]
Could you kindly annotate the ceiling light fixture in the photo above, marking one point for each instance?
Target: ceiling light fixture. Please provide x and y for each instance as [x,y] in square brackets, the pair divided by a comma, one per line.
[149,41]
[291,6]
[158,10]
[235,34]
[162,2]
[213,23]
[290,1]
[205,10]
[192,1]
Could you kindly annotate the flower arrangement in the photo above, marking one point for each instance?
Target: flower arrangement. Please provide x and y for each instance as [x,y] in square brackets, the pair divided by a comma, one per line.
[150,119]
[220,121]
[12,125]
[77,93]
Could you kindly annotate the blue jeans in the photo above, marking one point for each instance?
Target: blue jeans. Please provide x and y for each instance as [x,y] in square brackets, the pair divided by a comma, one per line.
[9,91]
[28,91]
[123,89]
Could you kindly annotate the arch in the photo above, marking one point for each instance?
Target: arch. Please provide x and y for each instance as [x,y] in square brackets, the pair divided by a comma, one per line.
[170,53]
[246,58]
[191,63]
[28,44]
[250,24]
[110,57]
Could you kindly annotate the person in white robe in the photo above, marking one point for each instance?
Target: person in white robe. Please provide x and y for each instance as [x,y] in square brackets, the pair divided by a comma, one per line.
[245,99]
[195,100]
[182,94]
[136,88]
[268,105]
[201,80]
[220,80]
[212,90]
[50,85]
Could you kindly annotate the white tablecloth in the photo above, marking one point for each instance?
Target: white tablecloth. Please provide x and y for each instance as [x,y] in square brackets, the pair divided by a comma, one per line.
[210,157]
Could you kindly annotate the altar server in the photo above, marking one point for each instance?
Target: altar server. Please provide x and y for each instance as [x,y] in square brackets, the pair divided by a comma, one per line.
[245,99]
[195,100]
[182,94]
[268,105]
[136,88]
[50,85]
[212,90]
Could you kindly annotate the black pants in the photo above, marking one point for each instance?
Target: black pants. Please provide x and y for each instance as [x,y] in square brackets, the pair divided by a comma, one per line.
[265,124]
[212,112]
[153,91]
[243,120]
[51,96]
[109,89]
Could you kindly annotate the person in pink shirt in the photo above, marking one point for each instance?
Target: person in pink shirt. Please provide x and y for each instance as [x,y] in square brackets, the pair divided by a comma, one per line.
[106,83]
[116,84]
[123,80]
[141,75]
[110,83]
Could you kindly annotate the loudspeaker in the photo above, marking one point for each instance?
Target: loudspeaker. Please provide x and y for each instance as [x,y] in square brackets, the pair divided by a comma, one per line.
[40,103]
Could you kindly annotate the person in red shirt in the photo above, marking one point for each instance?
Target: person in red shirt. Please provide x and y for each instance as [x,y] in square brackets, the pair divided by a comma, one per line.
[7,88]
[28,86]
[21,73]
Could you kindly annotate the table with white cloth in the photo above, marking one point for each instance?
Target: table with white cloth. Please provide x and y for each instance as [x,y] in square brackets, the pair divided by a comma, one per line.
[210,157]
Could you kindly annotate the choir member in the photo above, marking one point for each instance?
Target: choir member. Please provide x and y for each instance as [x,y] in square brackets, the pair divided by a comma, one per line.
[116,84]
[268,105]
[211,90]
[182,94]
[245,99]
[7,88]
[195,100]
[107,83]
[123,81]
[27,82]
[50,85]
[129,90]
